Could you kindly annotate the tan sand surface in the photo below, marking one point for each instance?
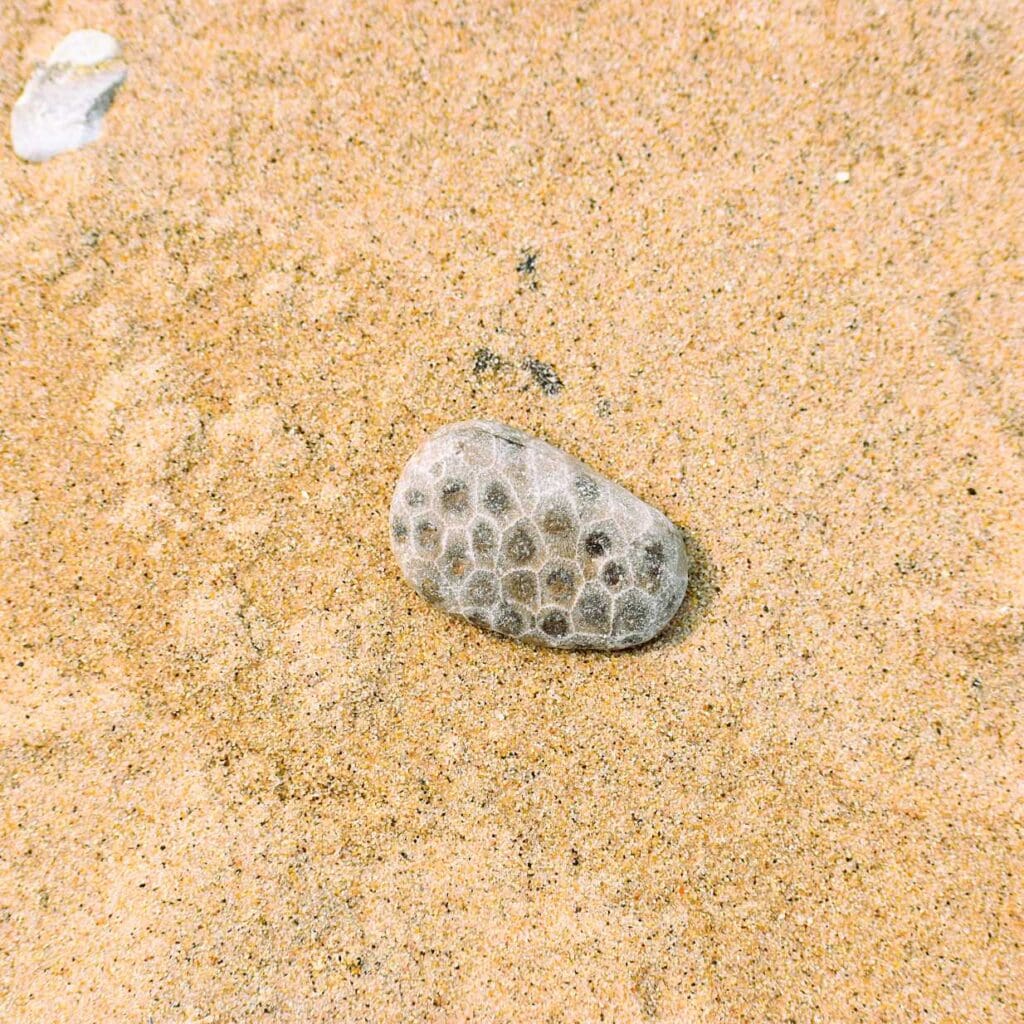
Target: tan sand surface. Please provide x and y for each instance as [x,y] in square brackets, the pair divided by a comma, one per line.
[773,254]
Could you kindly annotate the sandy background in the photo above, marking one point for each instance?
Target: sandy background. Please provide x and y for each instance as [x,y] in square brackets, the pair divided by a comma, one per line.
[247,775]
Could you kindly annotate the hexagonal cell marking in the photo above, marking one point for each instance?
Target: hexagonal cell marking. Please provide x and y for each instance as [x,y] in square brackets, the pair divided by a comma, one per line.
[520,586]
[497,500]
[601,539]
[454,498]
[521,545]
[427,534]
[558,524]
[560,581]
[485,539]
[399,529]
[512,621]
[481,589]
[634,615]
[514,535]
[651,559]
[593,611]
[416,498]
[615,575]
[456,561]
[553,623]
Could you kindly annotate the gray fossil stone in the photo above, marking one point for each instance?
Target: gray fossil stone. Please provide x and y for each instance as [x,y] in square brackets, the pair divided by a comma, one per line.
[63,104]
[508,532]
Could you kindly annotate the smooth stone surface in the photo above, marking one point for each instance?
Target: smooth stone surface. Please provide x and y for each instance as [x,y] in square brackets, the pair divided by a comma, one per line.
[510,533]
[62,106]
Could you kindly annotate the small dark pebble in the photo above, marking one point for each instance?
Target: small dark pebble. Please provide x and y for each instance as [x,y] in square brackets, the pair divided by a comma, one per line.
[484,359]
[544,375]
[527,264]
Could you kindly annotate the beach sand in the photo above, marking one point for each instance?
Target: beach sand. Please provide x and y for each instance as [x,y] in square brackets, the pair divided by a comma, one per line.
[773,257]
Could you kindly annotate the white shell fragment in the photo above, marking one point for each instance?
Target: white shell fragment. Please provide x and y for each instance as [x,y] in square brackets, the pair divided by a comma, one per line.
[62,106]
[504,530]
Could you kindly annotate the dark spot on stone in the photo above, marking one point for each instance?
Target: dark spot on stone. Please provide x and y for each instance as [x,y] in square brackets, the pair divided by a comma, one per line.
[593,612]
[484,359]
[561,583]
[554,623]
[482,588]
[650,567]
[456,559]
[399,529]
[971,491]
[603,408]
[415,498]
[428,536]
[558,521]
[632,614]
[497,499]
[520,546]
[484,537]
[520,586]
[597,543]
[454,497]
[509,620]
[544,375]
[613,574]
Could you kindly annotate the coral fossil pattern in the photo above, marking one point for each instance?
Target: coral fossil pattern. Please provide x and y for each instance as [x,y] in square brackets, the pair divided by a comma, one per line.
[504,530]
